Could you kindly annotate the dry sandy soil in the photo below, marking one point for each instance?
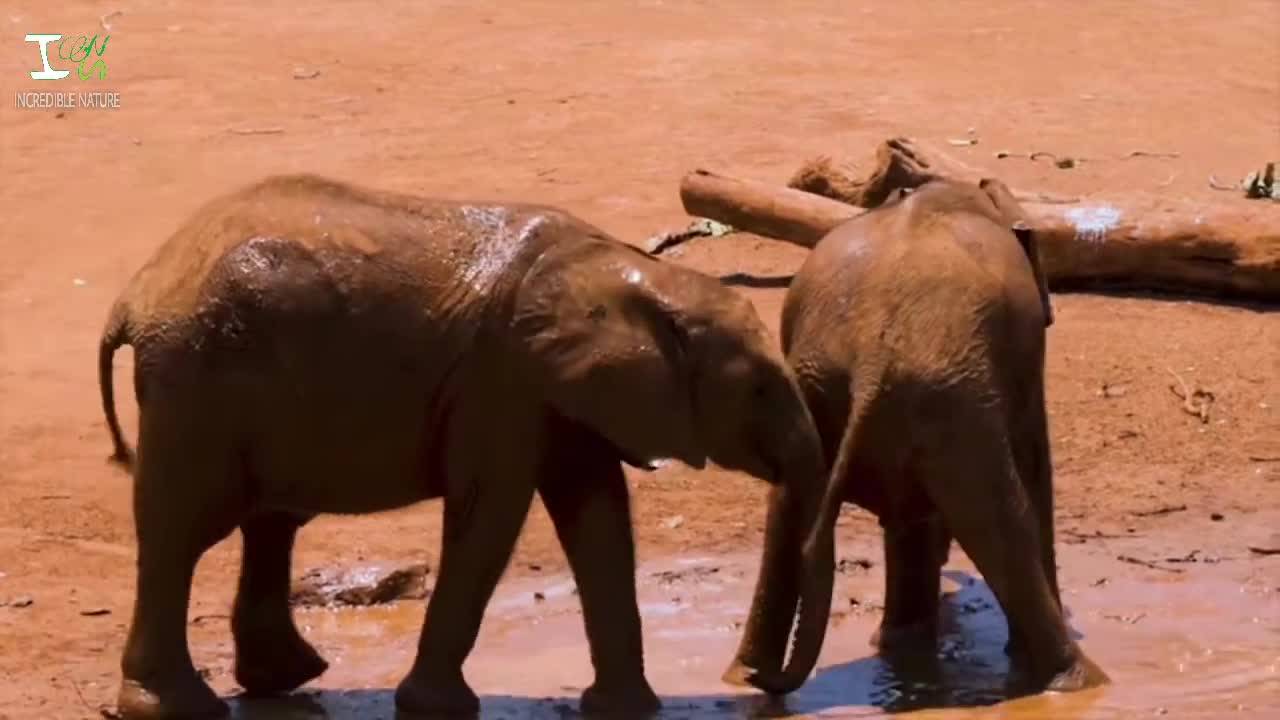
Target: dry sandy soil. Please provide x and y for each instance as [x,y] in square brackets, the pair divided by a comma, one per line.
[600,108]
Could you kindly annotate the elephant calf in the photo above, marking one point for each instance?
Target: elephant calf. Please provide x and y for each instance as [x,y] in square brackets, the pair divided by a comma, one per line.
[304,346]
[917,332]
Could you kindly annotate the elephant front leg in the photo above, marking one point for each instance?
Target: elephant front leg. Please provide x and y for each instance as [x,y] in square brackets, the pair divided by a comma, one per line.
[272,657]
[585,493]
[914,554]
[481,524]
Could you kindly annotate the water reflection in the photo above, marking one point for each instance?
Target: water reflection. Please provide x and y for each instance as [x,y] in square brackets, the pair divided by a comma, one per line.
[1199,645]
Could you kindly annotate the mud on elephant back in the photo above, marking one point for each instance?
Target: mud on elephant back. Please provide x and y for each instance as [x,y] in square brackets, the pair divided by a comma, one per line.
[304,346]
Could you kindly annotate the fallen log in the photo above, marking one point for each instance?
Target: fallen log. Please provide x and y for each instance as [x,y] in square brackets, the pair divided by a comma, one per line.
[785,214]
[1227,250]
[899,163]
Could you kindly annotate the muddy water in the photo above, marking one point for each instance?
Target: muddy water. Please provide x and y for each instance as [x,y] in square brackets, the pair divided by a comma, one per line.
[1203,642]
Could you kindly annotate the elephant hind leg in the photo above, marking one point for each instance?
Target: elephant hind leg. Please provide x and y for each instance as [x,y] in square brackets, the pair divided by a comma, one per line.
[1031,449]
[185,500]
[973,479]
[1035,466]
[272,657]
[914,554]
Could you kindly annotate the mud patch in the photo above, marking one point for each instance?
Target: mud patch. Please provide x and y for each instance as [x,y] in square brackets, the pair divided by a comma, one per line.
[1203,643]
[697,573]
[363,586]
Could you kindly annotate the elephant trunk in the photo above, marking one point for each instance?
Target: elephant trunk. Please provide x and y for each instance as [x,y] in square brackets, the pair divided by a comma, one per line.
[773,604]
[801,504]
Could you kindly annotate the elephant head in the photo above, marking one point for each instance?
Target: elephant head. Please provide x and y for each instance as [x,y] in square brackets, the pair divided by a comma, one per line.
[665,362]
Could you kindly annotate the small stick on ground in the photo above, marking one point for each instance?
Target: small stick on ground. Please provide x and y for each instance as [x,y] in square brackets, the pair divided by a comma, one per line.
[1159,511]
[256,131]
[1195,402]
[1264,550]
[1095,535]
[656,244]
[1146,563]
[76,686]
[1216,185]
[201,618]
[1193,556]
[1063,162]
[1126,619]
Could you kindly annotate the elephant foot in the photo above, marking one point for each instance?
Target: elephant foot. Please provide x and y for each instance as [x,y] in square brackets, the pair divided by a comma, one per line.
[1082,675]
[432,698]
[742,670]
[268,665]
[1016,651]
[187,699]
[738,674]
[919,637]
[632,699]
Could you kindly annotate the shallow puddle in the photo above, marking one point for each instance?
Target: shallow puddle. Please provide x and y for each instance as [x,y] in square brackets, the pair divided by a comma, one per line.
[1204,642]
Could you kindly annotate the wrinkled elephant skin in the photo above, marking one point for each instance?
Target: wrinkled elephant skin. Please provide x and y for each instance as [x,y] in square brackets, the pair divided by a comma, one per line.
[304,346]
[917,332]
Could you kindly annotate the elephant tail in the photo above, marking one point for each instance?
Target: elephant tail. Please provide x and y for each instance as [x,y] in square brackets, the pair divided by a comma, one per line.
[115,334]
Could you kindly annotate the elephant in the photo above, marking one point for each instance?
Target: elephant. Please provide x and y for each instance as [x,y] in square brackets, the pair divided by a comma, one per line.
[307,346]
[917,331]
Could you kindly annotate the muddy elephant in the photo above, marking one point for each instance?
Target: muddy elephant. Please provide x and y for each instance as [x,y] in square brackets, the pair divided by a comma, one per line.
[304,346]
[917,332]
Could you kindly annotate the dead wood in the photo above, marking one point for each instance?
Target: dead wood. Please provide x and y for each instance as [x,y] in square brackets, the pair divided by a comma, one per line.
[1194,402]
[1229,249]
[1146,563]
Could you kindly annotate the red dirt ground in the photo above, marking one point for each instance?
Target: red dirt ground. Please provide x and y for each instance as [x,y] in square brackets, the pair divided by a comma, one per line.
[600,108]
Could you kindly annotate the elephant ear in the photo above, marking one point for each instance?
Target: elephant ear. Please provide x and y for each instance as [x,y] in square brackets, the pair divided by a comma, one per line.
[608,351]
[1012,213]
[1027,239]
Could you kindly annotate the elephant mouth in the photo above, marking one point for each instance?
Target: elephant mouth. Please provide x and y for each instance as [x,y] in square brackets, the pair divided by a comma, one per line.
[650,465]
[643,465]
[765,467]
[772,472]
[655,463]
[628,459]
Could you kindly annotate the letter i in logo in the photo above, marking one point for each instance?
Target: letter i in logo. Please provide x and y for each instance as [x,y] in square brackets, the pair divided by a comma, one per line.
[48,73]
